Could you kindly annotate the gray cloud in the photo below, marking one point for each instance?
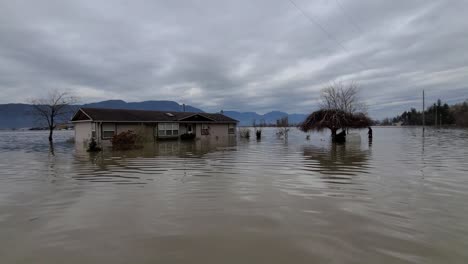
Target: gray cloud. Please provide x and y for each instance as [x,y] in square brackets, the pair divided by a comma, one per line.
[236,55]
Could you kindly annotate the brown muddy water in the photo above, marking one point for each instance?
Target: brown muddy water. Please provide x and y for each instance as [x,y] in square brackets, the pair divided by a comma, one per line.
[402,199]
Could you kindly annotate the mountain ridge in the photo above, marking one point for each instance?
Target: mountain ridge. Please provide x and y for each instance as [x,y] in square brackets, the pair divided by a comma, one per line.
[18,115]
[248,118]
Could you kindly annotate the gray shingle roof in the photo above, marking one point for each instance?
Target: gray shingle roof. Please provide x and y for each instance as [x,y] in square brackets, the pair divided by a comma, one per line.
[127,115]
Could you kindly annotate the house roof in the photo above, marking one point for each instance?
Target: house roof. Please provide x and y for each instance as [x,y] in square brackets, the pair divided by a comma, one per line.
[127,115]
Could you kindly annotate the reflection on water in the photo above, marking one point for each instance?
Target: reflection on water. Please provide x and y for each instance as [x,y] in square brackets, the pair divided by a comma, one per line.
[399,199]
[337,160]
[141,165]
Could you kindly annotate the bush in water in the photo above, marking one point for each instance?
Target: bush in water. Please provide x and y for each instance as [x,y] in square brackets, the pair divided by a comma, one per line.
[125,140]
[93,146]
[244,133]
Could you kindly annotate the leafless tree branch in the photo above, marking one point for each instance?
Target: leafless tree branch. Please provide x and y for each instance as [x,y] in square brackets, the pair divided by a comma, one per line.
[55,108]
[337,96]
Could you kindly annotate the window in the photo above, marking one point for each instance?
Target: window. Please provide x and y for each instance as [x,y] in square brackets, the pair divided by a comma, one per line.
[93,130]
[231,129]
[205,129]
[108,130]
[168,129]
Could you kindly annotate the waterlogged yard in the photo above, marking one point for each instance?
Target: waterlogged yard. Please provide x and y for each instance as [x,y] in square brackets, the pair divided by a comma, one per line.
[401,199]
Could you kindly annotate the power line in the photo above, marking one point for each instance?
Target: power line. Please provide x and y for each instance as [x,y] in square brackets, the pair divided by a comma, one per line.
[349,17]
[311,19]
[324,30]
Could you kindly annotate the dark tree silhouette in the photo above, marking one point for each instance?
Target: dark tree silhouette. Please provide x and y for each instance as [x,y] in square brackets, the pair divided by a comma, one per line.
[437,114]
[334,120]
[53,109]
[341,108]
[340,97]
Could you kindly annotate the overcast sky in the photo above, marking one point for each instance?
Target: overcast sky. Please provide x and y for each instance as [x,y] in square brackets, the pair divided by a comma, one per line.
[239,55]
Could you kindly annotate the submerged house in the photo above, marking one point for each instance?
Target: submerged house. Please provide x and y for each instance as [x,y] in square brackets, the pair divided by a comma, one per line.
[102,124]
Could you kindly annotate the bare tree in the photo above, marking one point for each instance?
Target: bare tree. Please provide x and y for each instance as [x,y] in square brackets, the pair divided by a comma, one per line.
[334,120]
[257,128]
[53,109]
[244,132]
[341,108]
[283,127]
[337,96]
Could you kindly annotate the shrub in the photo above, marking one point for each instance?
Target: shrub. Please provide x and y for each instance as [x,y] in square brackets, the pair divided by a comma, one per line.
[93,146]
[125,140]
[258,133]
[282,132]
[244,133]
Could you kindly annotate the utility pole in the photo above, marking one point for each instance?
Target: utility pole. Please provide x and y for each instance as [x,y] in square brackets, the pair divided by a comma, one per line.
[424,110]
[435,121]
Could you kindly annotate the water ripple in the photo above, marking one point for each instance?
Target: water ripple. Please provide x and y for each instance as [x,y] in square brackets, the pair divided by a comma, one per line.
[400,199]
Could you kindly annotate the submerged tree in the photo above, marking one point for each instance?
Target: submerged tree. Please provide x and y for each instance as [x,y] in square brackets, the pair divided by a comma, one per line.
[258,130]
[283,127]
[340,109]
[244,132]
[54,109]
[334,120]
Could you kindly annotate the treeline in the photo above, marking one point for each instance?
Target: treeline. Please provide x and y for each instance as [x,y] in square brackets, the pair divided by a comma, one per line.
[438,114]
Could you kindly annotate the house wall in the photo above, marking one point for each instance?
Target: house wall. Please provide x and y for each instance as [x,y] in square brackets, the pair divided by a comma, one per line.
[219,131]
[82,132]
[182,129]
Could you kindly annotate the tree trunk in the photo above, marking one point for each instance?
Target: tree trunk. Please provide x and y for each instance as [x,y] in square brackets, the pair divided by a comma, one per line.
[51,131]
[338,138]
[51,126]
[51,148]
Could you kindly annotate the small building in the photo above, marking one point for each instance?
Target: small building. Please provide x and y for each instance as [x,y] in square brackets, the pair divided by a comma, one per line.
[102,124]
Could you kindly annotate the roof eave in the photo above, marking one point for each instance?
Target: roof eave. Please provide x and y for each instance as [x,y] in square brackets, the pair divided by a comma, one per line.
[181,119]
[82,111]
[157,121]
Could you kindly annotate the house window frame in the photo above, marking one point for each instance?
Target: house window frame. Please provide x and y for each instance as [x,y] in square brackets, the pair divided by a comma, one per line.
[168,129]
[105,128]
[93,130]
[205,129]
[231,129]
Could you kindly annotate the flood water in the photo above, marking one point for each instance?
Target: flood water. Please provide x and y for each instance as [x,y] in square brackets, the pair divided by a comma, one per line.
[401,199]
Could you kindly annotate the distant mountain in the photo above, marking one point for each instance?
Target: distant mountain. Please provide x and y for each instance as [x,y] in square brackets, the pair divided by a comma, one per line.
[19,115]
[16,116]
[247,118]
[297,118]
[145,105]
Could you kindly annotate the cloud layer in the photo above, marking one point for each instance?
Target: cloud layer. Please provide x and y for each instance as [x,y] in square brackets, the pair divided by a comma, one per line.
[235,55]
